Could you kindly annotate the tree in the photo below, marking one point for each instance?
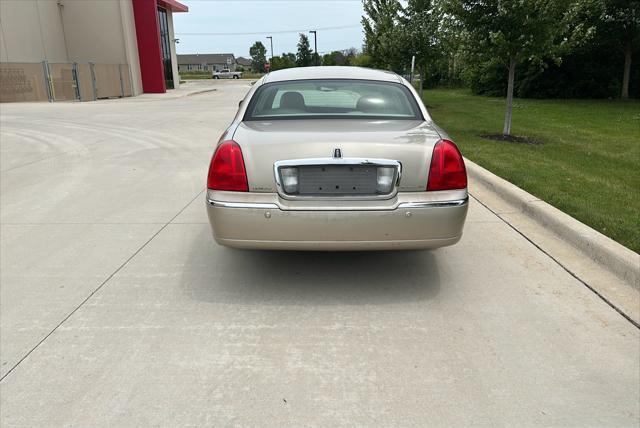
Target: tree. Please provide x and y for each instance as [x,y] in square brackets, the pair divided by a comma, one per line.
[395,31]
[349,54]
[290,58]
[258,56]
[624,16]
[334,58]
[379,24]
[327,59]
[512,31]
[615,21]
[304,57]
[418,35]
[451,43]
[361,60]
[287,60]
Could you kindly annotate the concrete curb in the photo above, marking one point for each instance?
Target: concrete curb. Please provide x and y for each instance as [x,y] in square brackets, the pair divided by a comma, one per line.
[615,258]
[170,96]
[204,91]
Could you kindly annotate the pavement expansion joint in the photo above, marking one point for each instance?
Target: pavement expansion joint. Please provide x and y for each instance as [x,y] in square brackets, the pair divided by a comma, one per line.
[565,268]
[102,284]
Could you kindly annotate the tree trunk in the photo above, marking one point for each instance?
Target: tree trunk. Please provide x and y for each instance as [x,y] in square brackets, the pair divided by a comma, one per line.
[507,115]
[455,68]
[420,70]
[627,71]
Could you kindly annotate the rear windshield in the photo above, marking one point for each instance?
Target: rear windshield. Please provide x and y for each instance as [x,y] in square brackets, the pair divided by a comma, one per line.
[332,99]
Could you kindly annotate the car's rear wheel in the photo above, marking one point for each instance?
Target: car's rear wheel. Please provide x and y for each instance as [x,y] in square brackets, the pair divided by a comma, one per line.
[236,77]
[216,77]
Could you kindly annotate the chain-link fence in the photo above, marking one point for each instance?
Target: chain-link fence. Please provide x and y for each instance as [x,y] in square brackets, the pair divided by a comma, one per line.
[63,81]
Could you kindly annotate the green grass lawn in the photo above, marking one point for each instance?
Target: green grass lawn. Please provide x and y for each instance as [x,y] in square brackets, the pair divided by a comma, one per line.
[208,75]
[251,75]
[194,76]
[588,165]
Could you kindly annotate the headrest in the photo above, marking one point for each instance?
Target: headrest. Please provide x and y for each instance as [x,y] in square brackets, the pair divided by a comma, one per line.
[293,100]
[370,104]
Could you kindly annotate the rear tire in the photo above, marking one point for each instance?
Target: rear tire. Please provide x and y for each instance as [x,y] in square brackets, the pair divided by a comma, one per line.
[216,77]
[236,77]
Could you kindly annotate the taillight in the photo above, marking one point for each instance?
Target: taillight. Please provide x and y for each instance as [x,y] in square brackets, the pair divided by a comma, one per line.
[447,170]
[227,171]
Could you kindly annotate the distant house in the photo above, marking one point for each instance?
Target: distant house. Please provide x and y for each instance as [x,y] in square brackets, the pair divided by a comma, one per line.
[206,62]
[244,62]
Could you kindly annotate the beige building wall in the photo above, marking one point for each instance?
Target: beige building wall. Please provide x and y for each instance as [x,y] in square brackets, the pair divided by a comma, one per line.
[100,31]
[131,45]
[31,31]
[93,30]
[3,46]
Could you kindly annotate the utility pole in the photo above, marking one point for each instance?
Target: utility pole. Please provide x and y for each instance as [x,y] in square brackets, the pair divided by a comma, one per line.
[413,66]
[271,40]
[315,44]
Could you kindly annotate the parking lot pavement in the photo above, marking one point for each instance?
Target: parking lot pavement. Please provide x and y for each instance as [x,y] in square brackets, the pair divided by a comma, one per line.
[118,309]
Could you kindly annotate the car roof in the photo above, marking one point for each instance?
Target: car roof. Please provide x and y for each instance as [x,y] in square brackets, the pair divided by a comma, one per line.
[330,72]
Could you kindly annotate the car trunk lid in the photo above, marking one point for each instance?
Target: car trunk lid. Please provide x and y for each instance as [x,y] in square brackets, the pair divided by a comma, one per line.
[408,142]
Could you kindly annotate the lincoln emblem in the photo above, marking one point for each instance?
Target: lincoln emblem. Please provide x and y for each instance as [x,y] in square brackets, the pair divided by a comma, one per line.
[337,153]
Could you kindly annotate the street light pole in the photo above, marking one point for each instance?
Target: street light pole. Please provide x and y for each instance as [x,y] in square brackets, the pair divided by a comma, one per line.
[271,40]
[315,43]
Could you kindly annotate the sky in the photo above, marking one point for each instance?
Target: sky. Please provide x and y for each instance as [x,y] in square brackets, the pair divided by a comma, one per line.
[265,18]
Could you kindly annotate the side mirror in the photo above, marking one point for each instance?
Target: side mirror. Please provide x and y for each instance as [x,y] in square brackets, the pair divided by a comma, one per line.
[240,104]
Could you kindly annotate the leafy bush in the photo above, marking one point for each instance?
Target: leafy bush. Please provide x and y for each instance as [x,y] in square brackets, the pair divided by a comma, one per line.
[594,71]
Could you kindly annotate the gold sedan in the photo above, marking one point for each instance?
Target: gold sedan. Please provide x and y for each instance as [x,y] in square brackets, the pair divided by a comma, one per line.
[335,158]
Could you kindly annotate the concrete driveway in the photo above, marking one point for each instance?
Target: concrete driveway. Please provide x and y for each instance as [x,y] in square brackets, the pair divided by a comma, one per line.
[117,308]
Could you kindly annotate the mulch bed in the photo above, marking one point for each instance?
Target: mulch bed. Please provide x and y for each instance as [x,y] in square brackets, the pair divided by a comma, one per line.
[511,139]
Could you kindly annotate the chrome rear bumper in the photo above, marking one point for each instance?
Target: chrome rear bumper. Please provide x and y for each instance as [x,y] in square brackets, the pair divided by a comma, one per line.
[415,220]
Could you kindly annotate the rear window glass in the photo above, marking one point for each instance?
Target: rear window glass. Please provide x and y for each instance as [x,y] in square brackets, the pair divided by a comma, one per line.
[333,99]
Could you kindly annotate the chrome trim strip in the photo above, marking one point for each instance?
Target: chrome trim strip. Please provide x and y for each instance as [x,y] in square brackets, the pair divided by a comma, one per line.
[253,205]
[337,161]
[432,204]
[404,205]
